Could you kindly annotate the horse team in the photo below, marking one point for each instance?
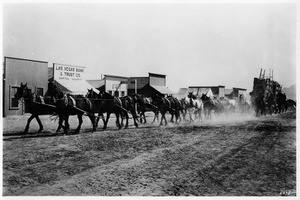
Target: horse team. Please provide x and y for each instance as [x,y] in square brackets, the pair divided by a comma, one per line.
[94,105]
[271,104]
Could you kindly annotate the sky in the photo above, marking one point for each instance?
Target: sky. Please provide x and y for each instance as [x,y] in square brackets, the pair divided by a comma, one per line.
[191,43]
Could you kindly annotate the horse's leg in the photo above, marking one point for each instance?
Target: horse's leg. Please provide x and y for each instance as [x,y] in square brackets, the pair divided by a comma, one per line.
[106,120]
[166,123]
[117,120]
[172,116]
[79,116]
[155,116]
[93,120]
[28,122]
[60,121]
[122,118]
[144,117]
[190,114]
[127,117]
[161,119]
[135,119]
[40,123]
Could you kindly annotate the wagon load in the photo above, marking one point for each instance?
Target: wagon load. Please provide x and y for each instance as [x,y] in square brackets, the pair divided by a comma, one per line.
[264,94]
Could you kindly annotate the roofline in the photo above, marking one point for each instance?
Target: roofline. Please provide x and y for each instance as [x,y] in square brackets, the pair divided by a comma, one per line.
[138,77]
[25,59]
[114,76]
[206,86]
[239,88]
[156,74]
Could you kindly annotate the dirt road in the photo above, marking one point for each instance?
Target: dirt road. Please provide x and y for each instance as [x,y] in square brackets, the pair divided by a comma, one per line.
[239,156]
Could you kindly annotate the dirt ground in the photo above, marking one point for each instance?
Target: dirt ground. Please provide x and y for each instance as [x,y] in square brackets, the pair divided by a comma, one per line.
[226,156]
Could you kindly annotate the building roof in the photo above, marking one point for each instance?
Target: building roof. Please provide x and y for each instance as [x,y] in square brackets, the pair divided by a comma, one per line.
[113,76]
[222,86]
[162,89]
[159,75]
[74,87]
[96,83]
[141,82]
[234,88]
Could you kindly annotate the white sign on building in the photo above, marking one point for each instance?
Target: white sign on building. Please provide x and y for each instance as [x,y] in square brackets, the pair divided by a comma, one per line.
[68,72]
[72,79]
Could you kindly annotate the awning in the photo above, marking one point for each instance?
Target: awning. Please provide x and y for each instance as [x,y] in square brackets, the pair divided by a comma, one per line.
[74,87]
[96,83]
[182,93]
[162,89]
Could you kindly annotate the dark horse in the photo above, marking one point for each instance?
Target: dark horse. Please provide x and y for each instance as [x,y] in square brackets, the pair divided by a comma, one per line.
[36,105]
[68,105]
[129,105]
[259,104]
[163,105]
[176,108]
[110,104]
[144,104]
[280,101]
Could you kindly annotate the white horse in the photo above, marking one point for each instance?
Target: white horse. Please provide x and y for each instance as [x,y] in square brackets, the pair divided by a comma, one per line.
[229,105]
[194,107]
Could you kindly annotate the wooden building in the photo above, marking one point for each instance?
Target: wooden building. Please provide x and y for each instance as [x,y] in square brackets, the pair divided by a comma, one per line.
[114,85]
[17,71]
[149,85]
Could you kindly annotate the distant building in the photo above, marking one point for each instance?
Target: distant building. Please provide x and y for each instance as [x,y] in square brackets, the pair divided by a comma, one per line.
[147,86]
[235,93]
[217,91]
[183,92]
[114,85]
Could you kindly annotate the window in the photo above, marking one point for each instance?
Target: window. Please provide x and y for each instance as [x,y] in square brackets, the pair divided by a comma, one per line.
[13,102]
[122,93]
[39,91]
[110,92]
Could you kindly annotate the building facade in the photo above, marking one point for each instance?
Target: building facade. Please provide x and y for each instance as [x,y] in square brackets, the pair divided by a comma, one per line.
[147,86]
[17,71]
[114,85]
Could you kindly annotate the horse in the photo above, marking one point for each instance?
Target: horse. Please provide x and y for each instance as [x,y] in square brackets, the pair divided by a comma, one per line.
[163,105]
[194,106]
[128,103]
[184,105]
[144,104]
[291,104]
[259,104]
[110,104]
[175,109]
[270,104]
[209,105]
[243,104]
[229,105]
[280,101]
[68,105]
[36,105]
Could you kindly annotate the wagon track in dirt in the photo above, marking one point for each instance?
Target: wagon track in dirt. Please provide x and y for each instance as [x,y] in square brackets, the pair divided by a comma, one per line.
[254,157]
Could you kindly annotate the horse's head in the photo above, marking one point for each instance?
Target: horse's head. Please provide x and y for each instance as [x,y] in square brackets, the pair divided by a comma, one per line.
[105,95]
[22,92]
[204,97]
[54,91]
[91,94]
